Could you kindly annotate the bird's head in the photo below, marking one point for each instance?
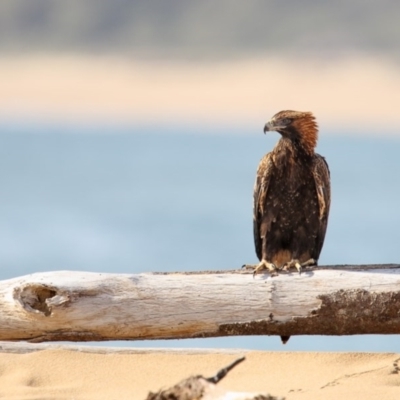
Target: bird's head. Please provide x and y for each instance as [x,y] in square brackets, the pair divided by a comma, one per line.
[297,126]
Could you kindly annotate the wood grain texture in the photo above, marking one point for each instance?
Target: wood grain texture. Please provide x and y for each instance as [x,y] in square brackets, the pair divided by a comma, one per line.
[83,306]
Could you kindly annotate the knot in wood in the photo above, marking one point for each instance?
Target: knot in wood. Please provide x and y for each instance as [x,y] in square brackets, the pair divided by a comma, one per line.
[35,298]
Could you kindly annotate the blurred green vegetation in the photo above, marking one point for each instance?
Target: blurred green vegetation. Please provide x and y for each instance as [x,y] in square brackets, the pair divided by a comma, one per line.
[201,29]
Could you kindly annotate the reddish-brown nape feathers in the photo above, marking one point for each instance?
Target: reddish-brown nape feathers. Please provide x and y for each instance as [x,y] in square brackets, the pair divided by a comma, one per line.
[307,128]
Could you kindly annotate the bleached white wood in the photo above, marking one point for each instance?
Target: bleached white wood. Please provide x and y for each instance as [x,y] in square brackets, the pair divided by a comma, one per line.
[83,306]
[27,347]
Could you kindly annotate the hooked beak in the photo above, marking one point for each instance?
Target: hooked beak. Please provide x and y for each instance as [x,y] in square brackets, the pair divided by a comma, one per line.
[268,127]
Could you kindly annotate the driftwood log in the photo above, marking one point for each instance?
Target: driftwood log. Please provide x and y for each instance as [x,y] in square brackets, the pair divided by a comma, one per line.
[198,387]
[82,306]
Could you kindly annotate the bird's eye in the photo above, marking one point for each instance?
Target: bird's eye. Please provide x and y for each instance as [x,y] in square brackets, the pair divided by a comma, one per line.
[286,121]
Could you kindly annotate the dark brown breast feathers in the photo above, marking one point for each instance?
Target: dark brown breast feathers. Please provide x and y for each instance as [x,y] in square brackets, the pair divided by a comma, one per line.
[291,205]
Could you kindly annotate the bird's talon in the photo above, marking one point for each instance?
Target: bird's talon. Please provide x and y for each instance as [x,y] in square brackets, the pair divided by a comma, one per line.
[263,265]
[298,267]
[310,263]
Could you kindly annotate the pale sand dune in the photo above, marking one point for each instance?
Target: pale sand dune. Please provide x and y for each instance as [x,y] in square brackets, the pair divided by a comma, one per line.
[66,374]
[362,92]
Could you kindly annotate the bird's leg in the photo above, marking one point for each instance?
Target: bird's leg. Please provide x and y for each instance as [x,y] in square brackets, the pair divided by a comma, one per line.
[309,263]
[293,263]
[299,266]
[264,264]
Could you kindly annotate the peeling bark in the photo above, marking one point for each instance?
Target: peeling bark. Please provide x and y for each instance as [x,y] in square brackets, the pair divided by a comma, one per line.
[345,312]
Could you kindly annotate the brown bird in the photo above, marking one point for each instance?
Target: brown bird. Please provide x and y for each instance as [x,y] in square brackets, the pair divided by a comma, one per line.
[291,197]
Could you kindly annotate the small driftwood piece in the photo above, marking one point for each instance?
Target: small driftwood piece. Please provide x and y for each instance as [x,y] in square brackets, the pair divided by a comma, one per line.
[198,387]
[83,306]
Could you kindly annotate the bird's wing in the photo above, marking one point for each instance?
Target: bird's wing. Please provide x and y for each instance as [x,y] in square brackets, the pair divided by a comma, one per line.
[263,178]
[322,184]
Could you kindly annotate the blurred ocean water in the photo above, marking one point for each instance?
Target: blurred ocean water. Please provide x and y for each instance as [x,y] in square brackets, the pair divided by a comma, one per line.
[130,200]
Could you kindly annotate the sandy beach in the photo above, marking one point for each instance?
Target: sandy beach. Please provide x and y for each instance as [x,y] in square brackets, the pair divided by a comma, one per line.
[345,93]
[89,373]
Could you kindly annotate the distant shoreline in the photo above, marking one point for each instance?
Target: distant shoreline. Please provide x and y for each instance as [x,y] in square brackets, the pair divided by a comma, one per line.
[354,92]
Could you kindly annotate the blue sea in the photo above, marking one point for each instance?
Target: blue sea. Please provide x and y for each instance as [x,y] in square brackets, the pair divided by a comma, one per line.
[131,199]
